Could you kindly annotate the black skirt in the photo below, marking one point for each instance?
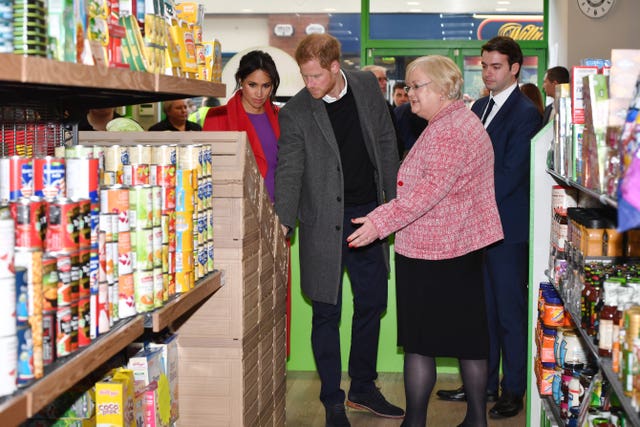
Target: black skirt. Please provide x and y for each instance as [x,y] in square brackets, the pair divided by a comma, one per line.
[441,308]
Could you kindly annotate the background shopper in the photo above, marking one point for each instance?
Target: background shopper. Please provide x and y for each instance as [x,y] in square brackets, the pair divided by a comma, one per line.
[176,113]
[337,159]
[552,78]
[444,214]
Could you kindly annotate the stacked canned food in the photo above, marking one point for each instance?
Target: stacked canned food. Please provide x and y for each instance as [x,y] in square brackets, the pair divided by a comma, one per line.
[194,215]
[6,26]
[11,291]
[30,27]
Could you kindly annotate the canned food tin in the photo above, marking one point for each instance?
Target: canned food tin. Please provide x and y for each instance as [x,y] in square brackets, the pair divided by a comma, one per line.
[30,222]
[25,371]
[48,337]
[7,306]
[184,261]
[157,247]
[115,199]
[183,281]
[84,322]
[16,177]
[210,264]
[49,177]
[163,175]
[94,267]
[84,216]
[31,260]
[158,288]
[141,206]
[184,191]
[126,303]
[164,154]
[143,249]
[22,296]
[112,262]
[171,286]
[65,334]
[94,223]
[184,232]
[143,290]
[103,314]
[125,262]
[75,283]
[83,179]
[114,304]
[115,156]
[8,364]
[140,154]
[188,157]
[135,174]
[84,257]
[168,198]
[77,152]
[62,226]
[50,280]
[106,226]
[156,191]
[7,245]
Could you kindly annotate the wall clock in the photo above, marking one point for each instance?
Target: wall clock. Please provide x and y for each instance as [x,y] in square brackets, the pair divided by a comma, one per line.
[595,8]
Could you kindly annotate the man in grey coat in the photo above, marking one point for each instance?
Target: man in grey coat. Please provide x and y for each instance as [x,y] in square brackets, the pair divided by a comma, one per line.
[337,160]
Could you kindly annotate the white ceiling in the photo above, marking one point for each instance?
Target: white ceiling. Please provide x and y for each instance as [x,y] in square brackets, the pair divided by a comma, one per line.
[376,6]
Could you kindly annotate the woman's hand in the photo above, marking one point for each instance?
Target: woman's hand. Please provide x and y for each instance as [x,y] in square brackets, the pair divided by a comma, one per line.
[364,235]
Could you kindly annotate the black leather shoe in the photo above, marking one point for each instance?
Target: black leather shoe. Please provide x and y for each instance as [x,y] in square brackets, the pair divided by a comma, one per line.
[458,395]
[373,401]
[509,405]
[337,416]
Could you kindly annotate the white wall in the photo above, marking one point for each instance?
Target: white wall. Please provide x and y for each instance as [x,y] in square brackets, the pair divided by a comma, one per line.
[237,32]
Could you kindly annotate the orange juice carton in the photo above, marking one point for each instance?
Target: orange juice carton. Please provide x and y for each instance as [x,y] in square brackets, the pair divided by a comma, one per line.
[115,399]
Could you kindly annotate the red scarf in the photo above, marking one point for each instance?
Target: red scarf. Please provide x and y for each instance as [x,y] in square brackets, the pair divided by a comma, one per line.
[232,117]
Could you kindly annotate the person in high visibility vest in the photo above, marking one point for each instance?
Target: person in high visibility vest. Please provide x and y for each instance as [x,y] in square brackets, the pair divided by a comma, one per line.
[200,114]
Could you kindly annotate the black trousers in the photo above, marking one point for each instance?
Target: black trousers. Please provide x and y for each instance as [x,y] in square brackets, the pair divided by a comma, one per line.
[368,275]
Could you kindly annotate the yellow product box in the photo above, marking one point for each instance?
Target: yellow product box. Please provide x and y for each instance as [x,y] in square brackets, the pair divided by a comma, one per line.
[169,350]
[115,399]
[190,12]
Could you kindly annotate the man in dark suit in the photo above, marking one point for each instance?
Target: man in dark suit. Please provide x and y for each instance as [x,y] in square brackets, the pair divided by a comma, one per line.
[553,77]
[337,160]
[511,121]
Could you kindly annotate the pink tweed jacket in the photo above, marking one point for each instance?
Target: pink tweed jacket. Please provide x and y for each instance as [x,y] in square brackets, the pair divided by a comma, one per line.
[445,205]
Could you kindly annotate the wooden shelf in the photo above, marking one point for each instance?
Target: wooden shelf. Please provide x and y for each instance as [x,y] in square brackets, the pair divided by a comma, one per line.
[165,316]
[69,371]
[603,198]
[43,81]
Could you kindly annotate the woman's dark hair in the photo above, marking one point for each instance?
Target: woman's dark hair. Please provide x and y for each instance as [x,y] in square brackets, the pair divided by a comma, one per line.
[506,46]
[258,60]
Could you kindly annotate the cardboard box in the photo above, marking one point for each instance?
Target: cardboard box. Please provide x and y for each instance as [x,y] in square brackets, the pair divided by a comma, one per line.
[219,386]
[115,399]
[170,365]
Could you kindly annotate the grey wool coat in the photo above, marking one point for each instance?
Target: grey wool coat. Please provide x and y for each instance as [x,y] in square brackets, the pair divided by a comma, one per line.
[309,182]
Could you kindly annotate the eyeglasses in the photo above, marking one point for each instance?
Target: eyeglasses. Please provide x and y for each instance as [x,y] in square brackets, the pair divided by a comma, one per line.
[415,87]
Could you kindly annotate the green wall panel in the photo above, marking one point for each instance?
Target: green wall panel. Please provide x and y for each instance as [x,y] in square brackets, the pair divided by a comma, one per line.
[390,357]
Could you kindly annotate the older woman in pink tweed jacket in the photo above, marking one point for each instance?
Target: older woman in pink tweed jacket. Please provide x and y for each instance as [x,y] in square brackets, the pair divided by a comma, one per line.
[444,214]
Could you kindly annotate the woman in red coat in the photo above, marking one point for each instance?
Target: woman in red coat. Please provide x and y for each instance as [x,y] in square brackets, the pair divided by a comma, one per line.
[251,109]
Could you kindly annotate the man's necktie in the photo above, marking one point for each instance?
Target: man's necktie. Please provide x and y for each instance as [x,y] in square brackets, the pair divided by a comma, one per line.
[488,110]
